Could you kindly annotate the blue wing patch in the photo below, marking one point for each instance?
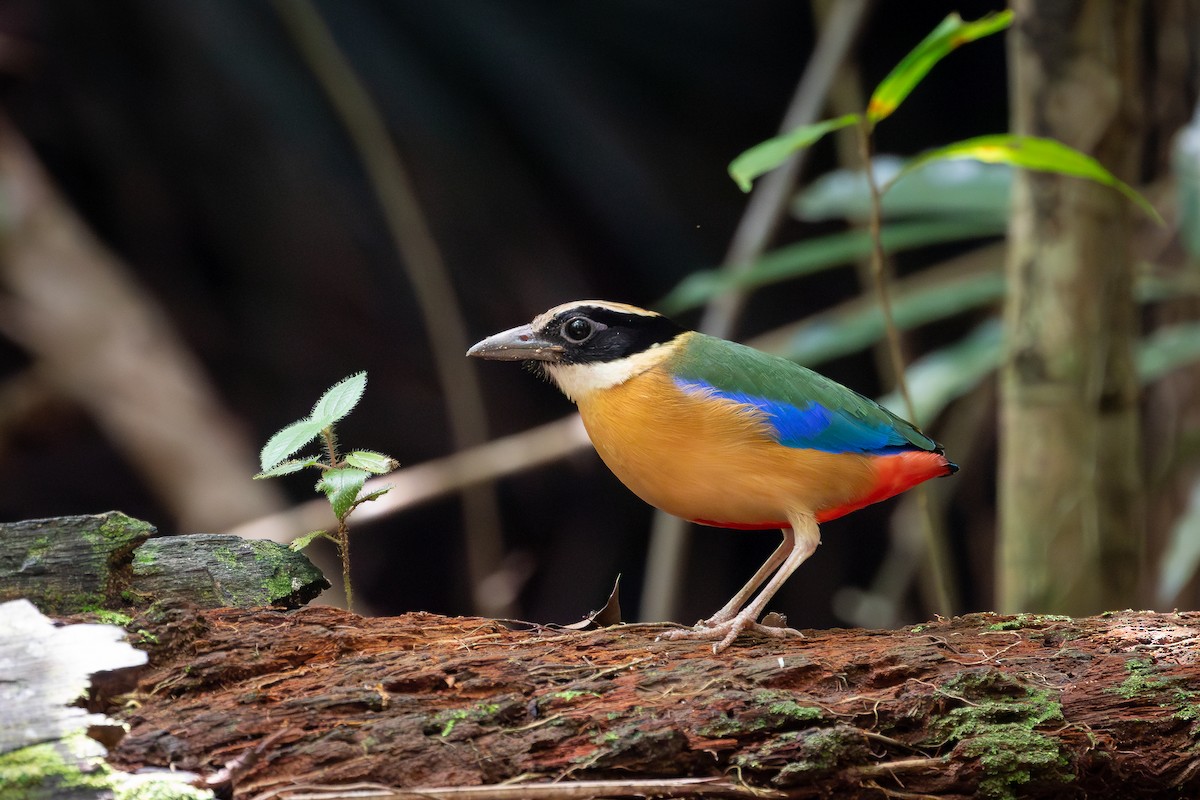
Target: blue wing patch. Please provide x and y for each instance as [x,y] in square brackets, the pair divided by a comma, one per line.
[813,426]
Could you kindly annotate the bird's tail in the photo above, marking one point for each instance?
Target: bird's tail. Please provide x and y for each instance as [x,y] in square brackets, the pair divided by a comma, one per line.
[896,473]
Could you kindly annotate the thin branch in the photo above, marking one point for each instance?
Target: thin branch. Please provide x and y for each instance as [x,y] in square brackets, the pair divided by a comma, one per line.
[572,790]
[423,262]
[98,339]
[879,272]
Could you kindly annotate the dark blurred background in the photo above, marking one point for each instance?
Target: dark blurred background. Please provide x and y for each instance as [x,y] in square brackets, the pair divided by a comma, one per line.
[558,150]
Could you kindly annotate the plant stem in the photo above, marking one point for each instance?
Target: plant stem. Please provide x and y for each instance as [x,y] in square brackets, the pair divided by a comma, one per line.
[343,546]
[331,447]
[343,527]
[939,560]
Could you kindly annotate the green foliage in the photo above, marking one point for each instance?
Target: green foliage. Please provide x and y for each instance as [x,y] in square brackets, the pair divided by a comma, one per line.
[966,190]
[766,156]
[1034,153]
[1185,164]
[899,83]
[301,542]
[342,485]
[912,69]
[1044,155]
[823,338]
[342,478]
[337,401]
[816,255]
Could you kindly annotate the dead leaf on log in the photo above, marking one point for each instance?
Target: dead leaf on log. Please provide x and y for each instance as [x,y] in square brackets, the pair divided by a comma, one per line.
[606,617]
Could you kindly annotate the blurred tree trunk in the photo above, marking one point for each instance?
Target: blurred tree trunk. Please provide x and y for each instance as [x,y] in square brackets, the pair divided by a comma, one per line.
[1070,484]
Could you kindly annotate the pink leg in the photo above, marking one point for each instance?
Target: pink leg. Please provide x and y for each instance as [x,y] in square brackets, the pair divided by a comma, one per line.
[806,537]
[730,609]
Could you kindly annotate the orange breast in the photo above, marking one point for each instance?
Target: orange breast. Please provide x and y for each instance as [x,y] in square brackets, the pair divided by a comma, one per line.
[714,460]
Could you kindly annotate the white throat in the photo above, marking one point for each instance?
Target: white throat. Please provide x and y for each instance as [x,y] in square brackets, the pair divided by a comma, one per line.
[577,381]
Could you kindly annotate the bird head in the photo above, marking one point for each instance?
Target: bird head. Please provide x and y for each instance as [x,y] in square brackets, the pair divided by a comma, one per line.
[586,345]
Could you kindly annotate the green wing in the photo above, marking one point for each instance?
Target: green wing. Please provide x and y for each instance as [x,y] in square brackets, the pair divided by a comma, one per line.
[807,410]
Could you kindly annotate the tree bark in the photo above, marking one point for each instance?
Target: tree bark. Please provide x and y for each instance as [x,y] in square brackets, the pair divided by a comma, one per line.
[977,706]
[1070,486]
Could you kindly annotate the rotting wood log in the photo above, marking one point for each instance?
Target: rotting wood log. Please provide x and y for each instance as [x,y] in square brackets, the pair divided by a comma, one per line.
[976,706]
[50,747]
[109,561]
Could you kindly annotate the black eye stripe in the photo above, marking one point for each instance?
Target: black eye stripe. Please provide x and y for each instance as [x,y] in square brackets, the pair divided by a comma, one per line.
[591,334]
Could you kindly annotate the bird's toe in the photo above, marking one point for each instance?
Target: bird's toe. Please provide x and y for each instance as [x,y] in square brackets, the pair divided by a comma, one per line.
[723,633]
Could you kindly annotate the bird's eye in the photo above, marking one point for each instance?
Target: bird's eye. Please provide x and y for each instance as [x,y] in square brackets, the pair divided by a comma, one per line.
[578,330]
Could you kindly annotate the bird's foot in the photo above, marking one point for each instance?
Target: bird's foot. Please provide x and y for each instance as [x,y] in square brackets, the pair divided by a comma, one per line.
[727,630]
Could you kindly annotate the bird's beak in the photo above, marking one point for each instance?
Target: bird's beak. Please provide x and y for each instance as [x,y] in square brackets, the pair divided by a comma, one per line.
[518,344]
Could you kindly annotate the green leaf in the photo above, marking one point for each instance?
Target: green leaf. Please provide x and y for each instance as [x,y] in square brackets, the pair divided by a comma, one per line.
[1036,153]
[375,495]
[371,461]
[947,189]
[287,468]
[1167,349]
[342,486]
[820,254]
[766,156]
[339,400]
[1181,557]
[831,335]
[288,441]
[304,541]
[1185,165]
[944,39]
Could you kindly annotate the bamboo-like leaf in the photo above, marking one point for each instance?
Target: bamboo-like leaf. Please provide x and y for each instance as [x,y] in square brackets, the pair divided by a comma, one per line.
[766,156]
[829,336]
[938,378]
[1036,153]
[342,486]
[1185,165]
[1168,348]
[1181,557]
[944,39]
[288,441]
[339,400]
[287,468]
[371,461]
[947,189]
[301,542]
[822,253]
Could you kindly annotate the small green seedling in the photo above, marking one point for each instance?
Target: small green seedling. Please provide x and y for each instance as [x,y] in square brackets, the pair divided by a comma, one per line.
[343,478]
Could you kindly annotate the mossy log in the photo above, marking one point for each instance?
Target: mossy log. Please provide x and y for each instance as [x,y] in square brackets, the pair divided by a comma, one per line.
[976,706]
[109,561]
[50,747]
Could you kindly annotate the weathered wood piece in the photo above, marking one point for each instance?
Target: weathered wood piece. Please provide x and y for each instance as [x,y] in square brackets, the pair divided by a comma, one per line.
[44,668]
[69,564]
[45,753]
[215,569]
[109,561]
[977,706]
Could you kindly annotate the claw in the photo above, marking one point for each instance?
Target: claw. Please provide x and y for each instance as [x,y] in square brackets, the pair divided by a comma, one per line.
[725,632]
